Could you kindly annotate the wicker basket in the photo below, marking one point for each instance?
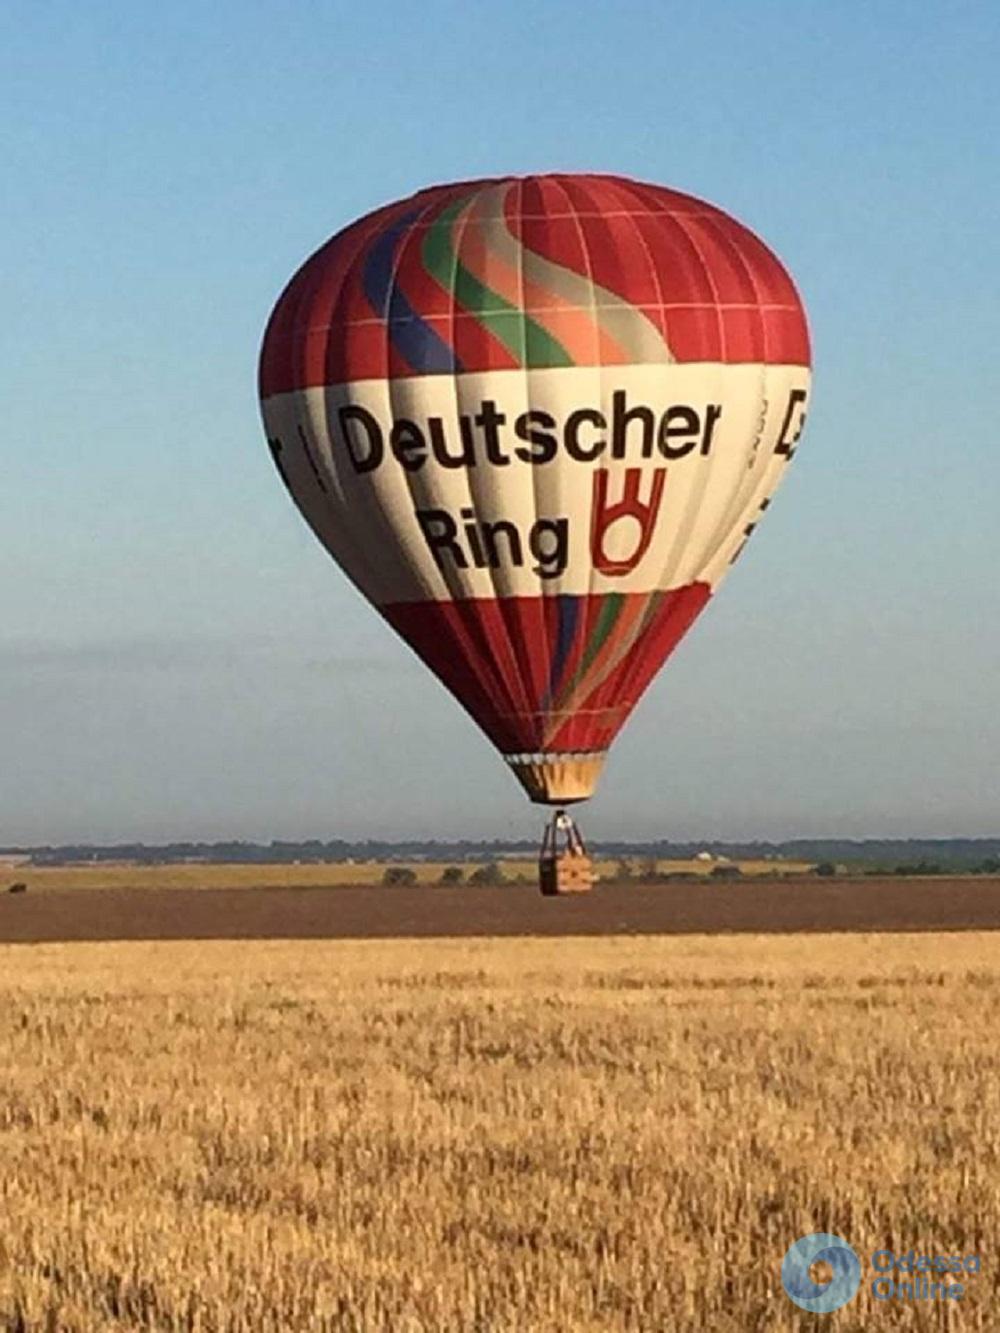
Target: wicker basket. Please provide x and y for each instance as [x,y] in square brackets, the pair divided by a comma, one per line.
[568,873]
[565,869]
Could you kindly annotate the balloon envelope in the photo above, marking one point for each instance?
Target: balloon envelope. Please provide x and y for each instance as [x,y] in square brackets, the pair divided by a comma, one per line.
[535,420]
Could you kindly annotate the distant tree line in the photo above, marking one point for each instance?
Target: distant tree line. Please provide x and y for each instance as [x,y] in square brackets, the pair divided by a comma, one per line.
[981,855]
[487,874]
[990,865]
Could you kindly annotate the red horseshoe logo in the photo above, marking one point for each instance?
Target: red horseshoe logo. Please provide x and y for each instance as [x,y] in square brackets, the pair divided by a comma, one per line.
[630,505]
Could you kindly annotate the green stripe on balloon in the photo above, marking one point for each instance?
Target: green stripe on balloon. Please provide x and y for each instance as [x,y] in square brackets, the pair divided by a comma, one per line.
[580,688]
[527,342]
[607,617]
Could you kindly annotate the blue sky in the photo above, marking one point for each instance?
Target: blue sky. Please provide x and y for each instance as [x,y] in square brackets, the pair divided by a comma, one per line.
[178,656]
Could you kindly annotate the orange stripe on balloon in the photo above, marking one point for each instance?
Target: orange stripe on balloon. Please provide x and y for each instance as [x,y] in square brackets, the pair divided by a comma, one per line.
[574,327]
[621,640]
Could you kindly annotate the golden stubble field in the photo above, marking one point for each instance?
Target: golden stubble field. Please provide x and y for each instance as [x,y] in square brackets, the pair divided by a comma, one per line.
[601,1134]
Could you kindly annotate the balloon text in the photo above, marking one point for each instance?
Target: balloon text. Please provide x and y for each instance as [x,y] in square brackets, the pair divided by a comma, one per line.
[585,435]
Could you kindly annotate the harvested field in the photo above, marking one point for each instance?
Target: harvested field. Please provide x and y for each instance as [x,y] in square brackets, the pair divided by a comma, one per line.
[338,912]
[483,1136]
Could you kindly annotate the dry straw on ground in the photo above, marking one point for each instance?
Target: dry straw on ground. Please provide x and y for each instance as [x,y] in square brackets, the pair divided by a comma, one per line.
[541,1136]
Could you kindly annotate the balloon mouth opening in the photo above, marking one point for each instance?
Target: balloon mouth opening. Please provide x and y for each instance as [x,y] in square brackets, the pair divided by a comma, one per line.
[558,779]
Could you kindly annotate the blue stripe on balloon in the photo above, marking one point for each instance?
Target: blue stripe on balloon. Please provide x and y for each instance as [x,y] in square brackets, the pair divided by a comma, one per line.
[411,336]
[569,615]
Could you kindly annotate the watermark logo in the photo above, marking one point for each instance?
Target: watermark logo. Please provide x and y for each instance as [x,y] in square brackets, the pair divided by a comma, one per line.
[813,1290]
[821,1272]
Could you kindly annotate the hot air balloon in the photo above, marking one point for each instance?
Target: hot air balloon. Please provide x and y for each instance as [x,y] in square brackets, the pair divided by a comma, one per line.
[535,420]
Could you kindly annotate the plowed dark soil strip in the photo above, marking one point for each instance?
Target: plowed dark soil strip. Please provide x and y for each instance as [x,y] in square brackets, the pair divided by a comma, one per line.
[766,906]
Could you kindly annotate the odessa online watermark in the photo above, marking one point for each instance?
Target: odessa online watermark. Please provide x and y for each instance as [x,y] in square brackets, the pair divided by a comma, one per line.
[896,1277]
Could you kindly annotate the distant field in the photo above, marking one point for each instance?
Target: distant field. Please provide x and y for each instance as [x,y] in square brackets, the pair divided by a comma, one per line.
[122,875]
[482,1136]
[695,906]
